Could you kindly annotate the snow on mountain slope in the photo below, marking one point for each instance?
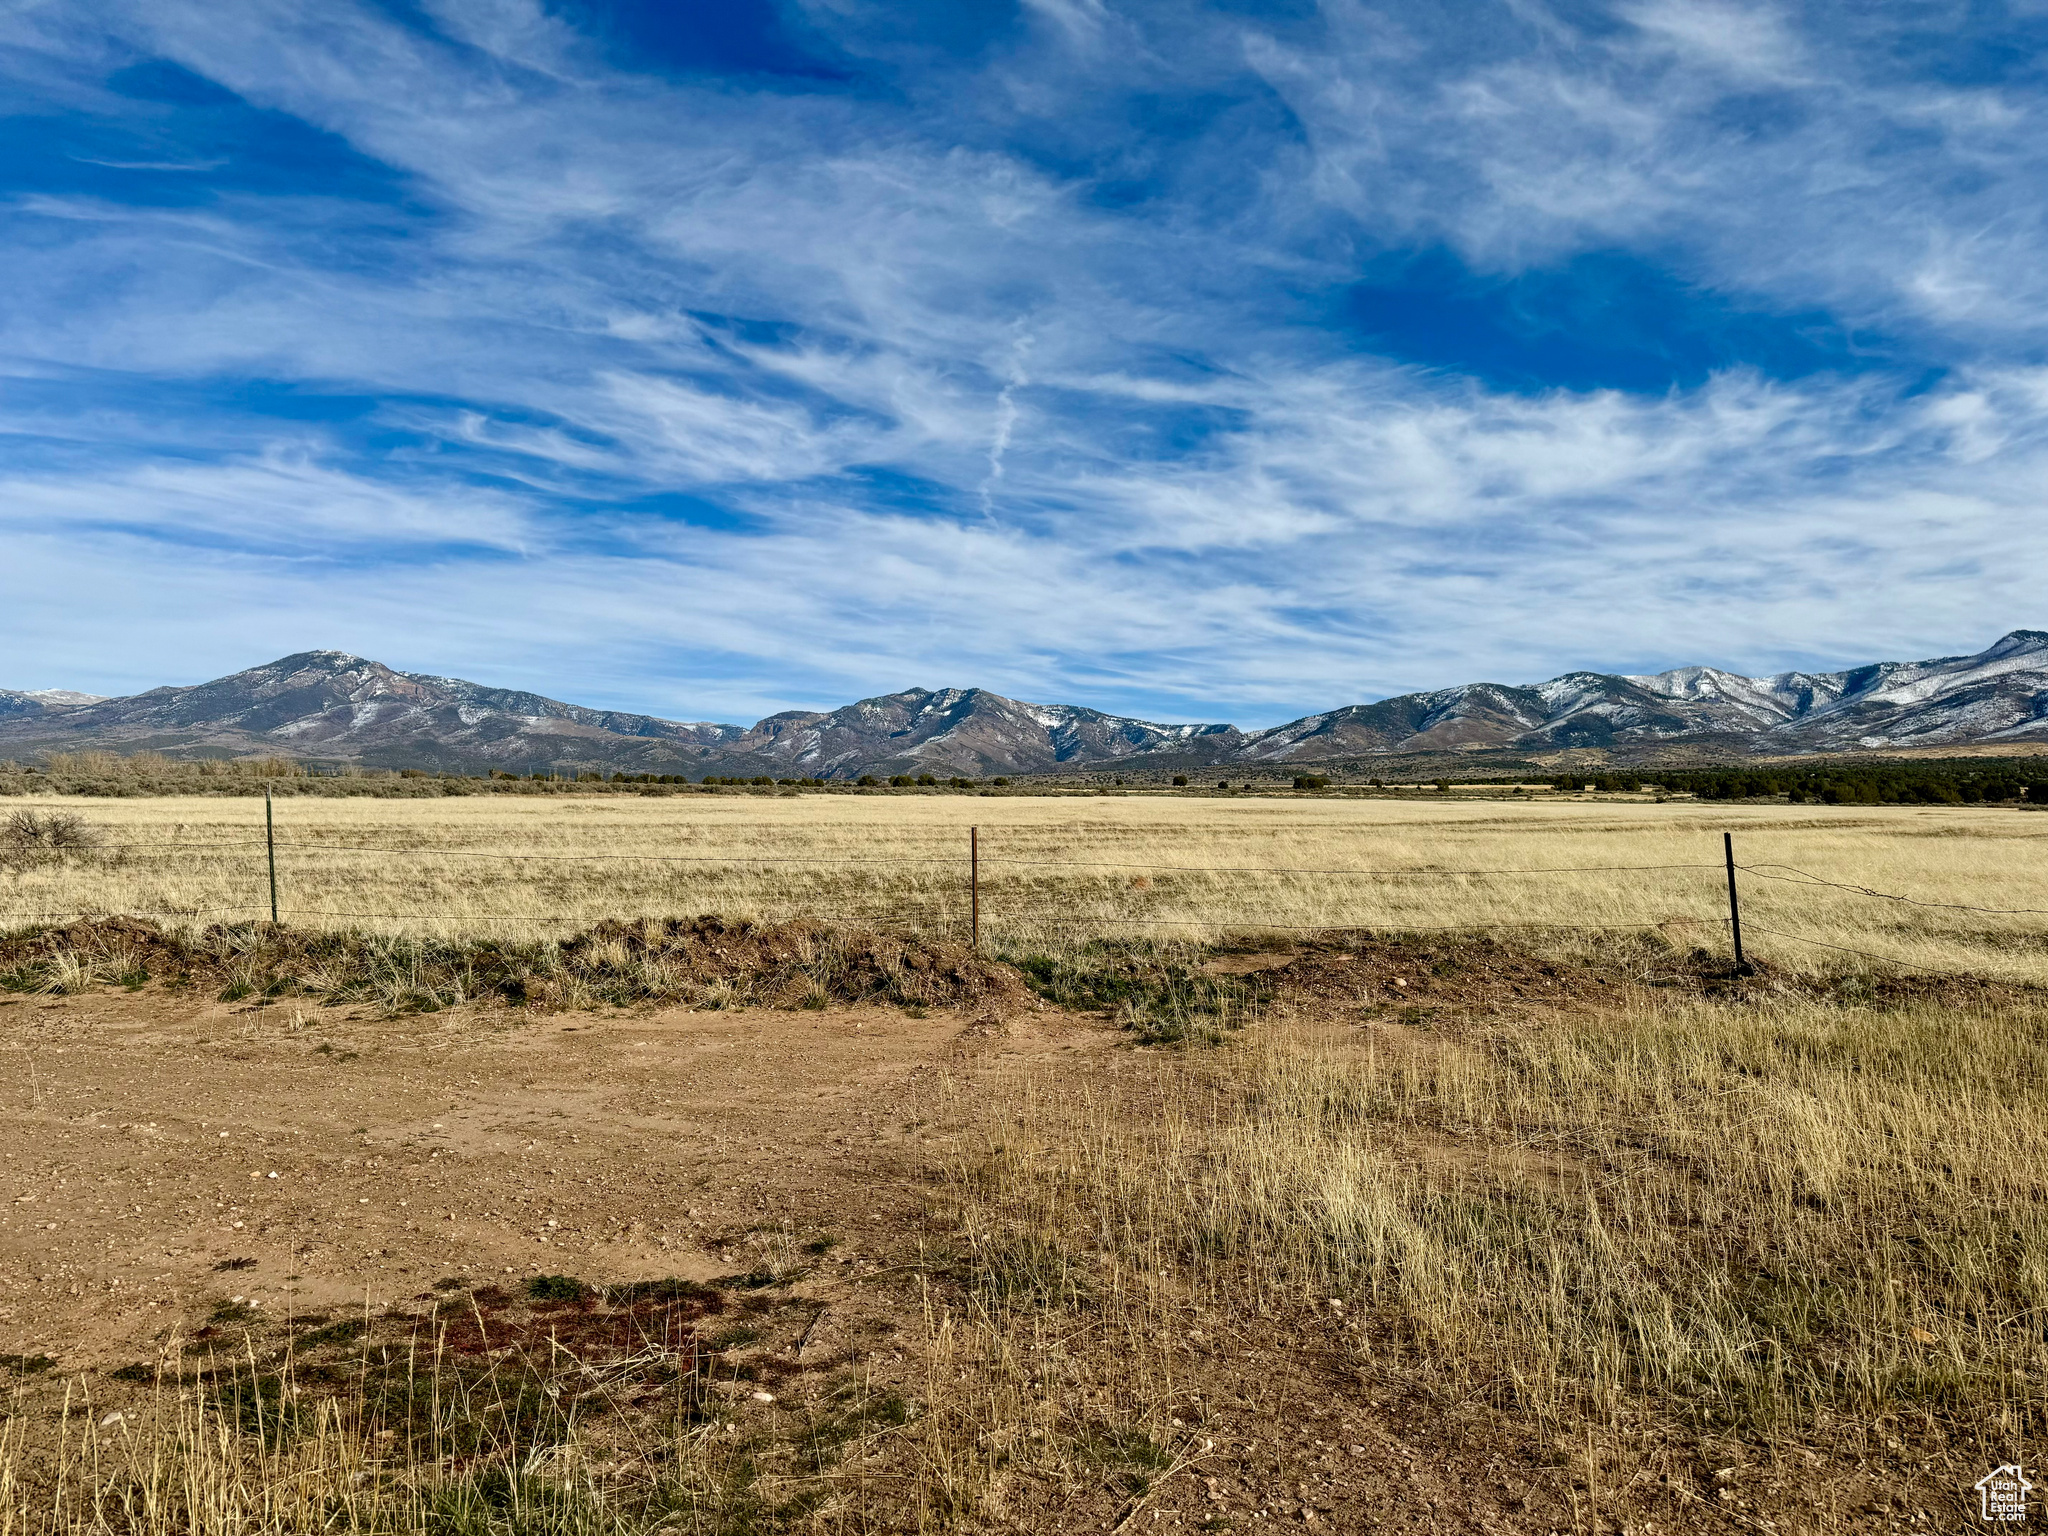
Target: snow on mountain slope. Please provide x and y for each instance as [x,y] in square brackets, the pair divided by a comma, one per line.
[1996,694]
[957,731]
[331,706]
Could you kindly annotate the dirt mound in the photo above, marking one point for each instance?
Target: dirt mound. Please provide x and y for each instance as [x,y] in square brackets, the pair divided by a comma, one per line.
[1482,974]
[705,962]
[791,964]
[1421,978]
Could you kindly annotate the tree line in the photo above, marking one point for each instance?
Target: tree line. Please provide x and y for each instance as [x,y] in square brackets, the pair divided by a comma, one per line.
[1940,781]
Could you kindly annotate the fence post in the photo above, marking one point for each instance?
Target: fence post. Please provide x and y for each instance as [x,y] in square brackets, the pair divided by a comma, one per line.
[974,881]
[270,847]
[1742,966]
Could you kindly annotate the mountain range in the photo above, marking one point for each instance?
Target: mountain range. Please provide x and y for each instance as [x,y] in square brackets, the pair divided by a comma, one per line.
[330,707]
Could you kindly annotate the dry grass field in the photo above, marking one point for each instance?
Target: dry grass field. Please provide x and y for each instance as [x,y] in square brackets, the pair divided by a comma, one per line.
[1053,868]
[1456,1186]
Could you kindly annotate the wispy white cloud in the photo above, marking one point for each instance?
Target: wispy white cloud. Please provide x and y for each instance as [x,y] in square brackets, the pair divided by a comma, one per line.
[1032,373]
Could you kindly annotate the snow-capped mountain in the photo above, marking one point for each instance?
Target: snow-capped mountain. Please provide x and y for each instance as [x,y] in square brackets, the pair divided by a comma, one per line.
[17,703]
[961,731]
[1997,695]
[329,706]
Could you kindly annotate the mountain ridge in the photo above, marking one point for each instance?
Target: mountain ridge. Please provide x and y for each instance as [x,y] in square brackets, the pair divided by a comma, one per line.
[331,706]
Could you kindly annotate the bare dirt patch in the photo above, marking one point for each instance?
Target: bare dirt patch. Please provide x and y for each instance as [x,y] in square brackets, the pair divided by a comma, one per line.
[752,1191]
[691,1218]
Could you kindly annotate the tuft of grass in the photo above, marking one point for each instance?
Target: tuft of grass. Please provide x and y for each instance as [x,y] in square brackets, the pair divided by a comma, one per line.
[1155,991]
[1024,1269]
[1123,1446]
[669,1290]
[556,1288]
[328,1335]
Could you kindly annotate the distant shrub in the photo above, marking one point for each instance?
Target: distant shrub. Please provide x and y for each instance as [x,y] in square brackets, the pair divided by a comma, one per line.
[1311,781]
[33,837]
[928,780]
[867,781]
[1180,780]
[1000,783]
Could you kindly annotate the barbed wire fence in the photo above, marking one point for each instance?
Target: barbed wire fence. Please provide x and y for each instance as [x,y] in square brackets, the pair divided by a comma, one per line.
[975,895]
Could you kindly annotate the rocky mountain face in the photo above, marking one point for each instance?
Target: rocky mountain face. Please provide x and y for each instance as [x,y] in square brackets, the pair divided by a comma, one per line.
[326,706]
[963,731]
[331,707]
[1997,695]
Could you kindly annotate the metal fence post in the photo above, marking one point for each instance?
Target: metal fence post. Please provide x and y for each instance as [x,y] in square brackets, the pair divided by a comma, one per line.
[974,881]
[1742,966]
[270,847]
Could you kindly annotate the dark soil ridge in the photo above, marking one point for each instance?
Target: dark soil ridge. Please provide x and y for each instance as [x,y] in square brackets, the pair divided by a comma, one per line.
[705,961]
[1478,974]
[717,962]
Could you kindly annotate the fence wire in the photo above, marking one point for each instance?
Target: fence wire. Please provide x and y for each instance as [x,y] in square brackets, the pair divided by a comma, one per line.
[267,849]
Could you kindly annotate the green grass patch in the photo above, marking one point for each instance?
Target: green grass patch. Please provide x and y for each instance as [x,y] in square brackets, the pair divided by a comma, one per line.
[1156,991]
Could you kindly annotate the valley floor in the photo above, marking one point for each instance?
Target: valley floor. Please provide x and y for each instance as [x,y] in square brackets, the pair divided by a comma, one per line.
[873,1268]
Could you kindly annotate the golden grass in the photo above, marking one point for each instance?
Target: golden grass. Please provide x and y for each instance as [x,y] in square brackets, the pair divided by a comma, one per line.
[1066,868]
[409,1440]
[1772,1220]
[1794,1222]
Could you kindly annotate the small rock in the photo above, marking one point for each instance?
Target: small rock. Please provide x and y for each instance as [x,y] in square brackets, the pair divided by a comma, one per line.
[764,1397]
[112,1419]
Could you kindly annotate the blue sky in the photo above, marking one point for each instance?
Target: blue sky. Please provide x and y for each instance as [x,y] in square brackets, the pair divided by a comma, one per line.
[1201,361]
